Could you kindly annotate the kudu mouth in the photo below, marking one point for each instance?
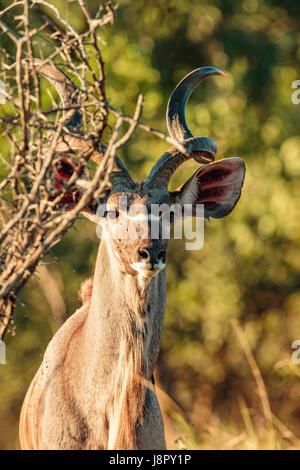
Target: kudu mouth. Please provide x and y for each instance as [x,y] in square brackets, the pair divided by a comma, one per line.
[148,270]
[149,259]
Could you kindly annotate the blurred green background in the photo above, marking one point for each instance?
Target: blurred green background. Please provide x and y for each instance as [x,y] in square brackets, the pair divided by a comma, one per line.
[249,267]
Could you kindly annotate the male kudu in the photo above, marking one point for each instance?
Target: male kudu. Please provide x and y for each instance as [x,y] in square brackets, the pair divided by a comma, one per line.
[94,388]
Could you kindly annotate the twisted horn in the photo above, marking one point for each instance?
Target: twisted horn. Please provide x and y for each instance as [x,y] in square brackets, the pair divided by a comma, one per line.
[202,149]
[70,94]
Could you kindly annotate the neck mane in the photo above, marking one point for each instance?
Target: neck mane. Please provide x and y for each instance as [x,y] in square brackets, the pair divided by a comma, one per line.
[122,334]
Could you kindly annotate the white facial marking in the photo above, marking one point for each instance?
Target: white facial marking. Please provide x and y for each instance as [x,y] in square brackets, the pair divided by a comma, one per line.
[144,273]
[159,266]
[143,268]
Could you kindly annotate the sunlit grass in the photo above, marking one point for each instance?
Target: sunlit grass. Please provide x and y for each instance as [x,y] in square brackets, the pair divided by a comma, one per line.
[259,430]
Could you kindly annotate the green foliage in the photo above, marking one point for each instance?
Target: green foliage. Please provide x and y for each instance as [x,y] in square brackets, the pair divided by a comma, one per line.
[250,264]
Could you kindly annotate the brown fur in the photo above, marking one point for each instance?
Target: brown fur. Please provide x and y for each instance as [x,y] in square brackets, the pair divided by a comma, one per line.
[127,413]
[86,289]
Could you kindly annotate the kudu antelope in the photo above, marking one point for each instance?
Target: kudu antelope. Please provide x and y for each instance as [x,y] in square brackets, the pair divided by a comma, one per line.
[94,388]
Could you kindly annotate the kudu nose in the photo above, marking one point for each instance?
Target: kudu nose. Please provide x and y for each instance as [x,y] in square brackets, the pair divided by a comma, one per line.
[153,255]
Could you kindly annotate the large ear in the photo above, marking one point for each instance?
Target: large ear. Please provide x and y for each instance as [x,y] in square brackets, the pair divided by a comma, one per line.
[63,168]
[217,185]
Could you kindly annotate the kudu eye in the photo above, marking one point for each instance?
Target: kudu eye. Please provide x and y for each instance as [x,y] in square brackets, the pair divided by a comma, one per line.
[111,214]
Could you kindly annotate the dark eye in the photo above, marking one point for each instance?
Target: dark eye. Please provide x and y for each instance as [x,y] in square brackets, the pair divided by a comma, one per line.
[111,214]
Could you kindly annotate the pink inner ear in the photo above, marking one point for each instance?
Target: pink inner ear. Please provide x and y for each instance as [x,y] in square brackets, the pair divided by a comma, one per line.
[219,186]
[212,186]
[210,193]
[209,176]
[63,172]
[64,169]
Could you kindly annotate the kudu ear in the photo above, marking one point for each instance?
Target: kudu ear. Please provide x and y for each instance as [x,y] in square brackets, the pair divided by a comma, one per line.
[217,185]
[63,169]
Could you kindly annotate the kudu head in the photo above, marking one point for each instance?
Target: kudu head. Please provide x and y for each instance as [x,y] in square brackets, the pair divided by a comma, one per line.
[126,213]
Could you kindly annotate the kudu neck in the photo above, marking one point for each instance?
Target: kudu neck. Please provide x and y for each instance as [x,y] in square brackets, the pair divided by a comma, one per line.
[119,308]
[121,338]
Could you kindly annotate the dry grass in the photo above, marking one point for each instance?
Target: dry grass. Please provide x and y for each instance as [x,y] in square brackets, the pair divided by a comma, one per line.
[260,429]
